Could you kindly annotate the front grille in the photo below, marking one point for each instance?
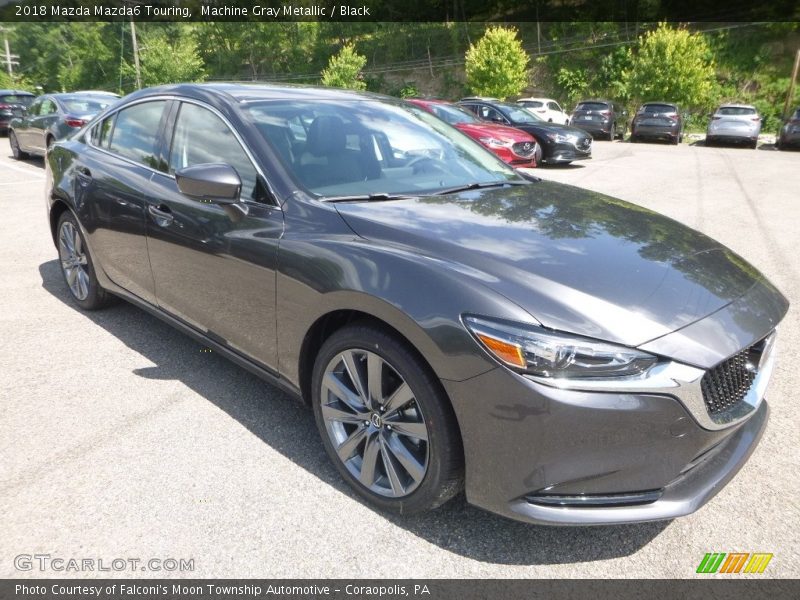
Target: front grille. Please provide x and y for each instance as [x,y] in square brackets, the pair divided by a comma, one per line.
[727,384]
[524,148]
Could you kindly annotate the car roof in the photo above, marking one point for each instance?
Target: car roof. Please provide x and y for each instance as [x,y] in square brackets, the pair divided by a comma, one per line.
[15,93]
[537,100]
[248,92]
[596,100]
[659,102]
[481,98]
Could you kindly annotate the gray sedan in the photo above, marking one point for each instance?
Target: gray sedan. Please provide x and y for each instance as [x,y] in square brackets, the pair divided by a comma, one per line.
[734,123]
[53,117]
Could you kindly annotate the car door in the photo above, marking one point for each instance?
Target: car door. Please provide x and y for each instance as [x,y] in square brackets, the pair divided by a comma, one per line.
[215,266]
[22,126]
[124,150]
[40,123]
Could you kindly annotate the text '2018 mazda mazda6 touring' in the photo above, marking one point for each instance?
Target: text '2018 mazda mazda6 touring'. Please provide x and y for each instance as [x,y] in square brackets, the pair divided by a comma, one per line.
[566,357]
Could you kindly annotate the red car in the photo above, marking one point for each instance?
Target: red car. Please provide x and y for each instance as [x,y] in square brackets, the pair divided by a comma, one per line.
[513,146]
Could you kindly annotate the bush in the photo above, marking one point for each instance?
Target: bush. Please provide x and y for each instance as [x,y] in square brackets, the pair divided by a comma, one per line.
[497,65]
[344,70]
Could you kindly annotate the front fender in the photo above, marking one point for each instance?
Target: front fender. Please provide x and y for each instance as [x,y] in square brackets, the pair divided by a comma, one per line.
[420,297]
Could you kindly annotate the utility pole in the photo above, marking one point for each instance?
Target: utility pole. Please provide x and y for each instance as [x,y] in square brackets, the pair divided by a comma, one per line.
[792,82]
[136,57]
[10,59]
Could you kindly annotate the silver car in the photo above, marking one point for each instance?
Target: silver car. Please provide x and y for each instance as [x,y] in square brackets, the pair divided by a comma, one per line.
[734,123]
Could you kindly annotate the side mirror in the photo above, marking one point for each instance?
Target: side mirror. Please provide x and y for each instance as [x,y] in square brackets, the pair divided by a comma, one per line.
[215,183]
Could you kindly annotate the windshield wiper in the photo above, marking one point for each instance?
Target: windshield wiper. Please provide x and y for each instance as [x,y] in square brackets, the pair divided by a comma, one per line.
[379,197]
[478,186]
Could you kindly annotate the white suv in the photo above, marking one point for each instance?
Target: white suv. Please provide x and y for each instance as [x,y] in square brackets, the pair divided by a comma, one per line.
[546,108]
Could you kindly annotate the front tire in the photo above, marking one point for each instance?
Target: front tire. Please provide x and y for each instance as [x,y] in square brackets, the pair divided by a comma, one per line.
[77,266]
[16,151]
[385,421]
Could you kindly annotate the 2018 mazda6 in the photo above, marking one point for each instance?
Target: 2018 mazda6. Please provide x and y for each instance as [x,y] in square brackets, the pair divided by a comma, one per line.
[566,357]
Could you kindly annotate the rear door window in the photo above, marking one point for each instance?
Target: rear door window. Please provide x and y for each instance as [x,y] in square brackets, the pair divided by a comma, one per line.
[135,134]
[554,106]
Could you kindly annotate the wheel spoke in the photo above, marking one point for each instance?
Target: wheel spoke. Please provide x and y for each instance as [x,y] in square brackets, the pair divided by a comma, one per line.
[72,275]
[334,414]
[66,240]
[413,429]
[404,457]
[353,370]
[401,396]
[372,449]
[77,244]
[347,448]
[391,470]
[83,283]
[375,379]
[336,386]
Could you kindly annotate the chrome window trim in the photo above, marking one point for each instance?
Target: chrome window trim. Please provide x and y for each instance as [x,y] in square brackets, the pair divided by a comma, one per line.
[88,141]
[683,382]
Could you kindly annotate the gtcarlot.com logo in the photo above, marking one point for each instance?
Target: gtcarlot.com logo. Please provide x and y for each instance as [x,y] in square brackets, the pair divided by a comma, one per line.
[734,562]
[47,562]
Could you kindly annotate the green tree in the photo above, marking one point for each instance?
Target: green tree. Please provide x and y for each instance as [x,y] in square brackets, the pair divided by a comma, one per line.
[344,69]
[497,65]
[672,64]
[168,61]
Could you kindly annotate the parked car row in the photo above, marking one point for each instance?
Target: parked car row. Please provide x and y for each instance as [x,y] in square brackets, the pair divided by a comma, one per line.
[37,123]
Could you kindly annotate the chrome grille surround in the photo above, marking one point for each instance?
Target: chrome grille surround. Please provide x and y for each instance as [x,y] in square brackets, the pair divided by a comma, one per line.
[684,382]
[525,149]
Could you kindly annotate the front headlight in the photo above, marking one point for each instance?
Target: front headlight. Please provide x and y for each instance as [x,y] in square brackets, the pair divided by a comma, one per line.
[558,137]
[496,142]
[546,353]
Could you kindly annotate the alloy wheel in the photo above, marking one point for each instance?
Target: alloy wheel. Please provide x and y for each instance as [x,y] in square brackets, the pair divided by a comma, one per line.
[73,260]
[374,423]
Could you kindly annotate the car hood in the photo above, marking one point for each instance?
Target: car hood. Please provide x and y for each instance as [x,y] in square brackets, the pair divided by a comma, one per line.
[576,260]
[542,128]
[486,129]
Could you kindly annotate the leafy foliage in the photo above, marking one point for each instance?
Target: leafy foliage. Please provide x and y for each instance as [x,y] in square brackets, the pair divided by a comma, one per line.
[344,69]
[497,65]
[164,61]
[672,64]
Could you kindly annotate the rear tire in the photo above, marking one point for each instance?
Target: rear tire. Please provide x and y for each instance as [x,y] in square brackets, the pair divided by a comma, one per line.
[16,152]
[385,421]
[77,266]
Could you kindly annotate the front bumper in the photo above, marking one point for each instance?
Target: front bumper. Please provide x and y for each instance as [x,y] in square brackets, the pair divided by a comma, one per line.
[556,153]
[532,444]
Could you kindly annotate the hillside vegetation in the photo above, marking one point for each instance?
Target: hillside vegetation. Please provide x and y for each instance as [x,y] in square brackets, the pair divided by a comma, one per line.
[567,61]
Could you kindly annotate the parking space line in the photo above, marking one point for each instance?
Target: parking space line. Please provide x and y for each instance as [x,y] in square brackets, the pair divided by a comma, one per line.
[20,170]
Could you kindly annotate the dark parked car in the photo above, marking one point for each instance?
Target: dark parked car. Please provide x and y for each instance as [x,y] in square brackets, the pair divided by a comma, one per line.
[511,145]
[560,143]
[657,120]
[54,117]
[604,119]
[12,103]
[569,357]
[789,135]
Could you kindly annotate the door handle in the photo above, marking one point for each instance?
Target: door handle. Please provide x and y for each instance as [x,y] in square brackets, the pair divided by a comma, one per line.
[84,175]
[161,214]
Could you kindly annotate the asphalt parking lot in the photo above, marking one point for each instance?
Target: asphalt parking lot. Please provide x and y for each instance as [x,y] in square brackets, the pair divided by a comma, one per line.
[121,438]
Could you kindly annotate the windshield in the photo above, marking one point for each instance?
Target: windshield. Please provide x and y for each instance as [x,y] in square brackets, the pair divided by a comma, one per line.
[658,108]
[16,99]
[735,111]
[453,114]
[86,105]
[518,114]
[367,148]
[592,106]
